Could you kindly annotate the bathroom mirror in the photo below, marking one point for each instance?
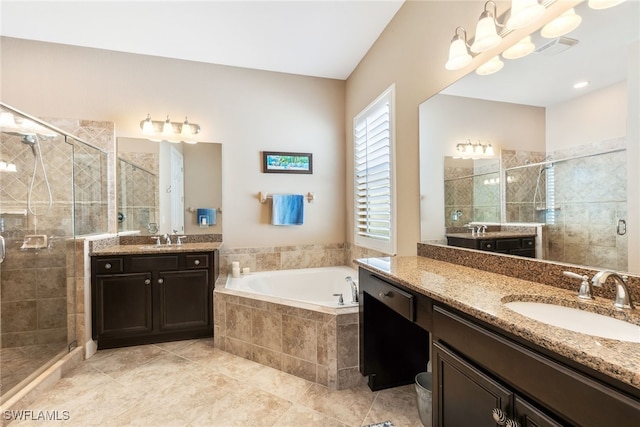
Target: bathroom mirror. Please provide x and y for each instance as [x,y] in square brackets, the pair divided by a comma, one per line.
[549,134]
[161,186]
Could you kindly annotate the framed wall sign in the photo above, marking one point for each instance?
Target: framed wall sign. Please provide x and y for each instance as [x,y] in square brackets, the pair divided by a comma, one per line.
[283,162]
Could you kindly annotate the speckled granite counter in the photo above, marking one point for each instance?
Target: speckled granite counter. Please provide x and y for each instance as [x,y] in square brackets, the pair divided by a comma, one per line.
[491,235]
[481,294]
[151,249]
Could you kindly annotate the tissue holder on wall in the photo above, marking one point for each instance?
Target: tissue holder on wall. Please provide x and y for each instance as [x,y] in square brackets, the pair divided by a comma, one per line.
[206,217]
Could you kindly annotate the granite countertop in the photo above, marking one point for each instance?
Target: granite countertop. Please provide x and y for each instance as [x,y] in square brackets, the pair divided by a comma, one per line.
[492,235]
[152,249]
[481,294]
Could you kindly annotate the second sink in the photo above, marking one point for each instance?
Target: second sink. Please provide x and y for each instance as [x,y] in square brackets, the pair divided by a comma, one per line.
[577,320]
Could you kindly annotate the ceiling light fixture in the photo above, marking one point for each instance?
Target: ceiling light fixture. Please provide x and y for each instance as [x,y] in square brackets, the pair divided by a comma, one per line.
[167,130]
[562,25]
[459,56]
[486,30]
[519,50]
[582,84]
[603,4]
[524,13]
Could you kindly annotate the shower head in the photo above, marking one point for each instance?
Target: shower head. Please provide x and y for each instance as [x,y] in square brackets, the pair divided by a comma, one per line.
[31,141]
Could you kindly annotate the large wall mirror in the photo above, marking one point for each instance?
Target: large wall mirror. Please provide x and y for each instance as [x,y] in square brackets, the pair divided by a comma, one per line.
[161,186]
[563,156]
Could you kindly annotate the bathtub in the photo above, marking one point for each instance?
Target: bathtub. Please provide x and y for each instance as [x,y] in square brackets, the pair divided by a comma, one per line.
[290,320]
[315,286]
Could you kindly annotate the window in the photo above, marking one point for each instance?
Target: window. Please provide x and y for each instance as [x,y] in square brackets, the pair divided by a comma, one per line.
[374,192]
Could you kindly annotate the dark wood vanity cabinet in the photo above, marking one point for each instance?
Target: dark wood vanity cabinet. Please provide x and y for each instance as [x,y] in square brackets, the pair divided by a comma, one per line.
[521,246]
[394,342]
[476,370]
[141,299]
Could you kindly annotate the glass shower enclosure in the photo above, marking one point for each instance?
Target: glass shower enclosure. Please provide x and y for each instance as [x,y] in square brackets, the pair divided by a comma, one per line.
[51,190]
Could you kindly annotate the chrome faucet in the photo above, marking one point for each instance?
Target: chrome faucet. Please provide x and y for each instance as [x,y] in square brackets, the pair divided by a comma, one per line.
[354,289]
[623,299]
[168,238]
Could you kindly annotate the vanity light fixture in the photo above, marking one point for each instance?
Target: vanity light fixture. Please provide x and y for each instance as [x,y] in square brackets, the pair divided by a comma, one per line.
[491,66]
[459,56]
[524,13]
[519,50]
[486,30]
[468,150]
[562,25]
[167,130]
[603,4]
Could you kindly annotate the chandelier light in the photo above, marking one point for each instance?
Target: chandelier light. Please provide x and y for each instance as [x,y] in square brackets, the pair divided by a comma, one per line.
[166,130]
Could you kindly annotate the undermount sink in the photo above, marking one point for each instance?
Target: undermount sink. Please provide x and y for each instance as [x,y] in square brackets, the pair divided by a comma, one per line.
[577,320]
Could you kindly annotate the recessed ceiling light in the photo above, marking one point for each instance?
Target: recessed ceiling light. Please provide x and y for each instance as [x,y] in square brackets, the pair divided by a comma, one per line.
[581,85]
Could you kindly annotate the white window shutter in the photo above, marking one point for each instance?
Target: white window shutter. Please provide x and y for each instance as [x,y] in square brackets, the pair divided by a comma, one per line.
[374,210]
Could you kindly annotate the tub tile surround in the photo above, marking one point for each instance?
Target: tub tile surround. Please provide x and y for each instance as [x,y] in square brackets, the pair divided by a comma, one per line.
[478,284]
[315,343]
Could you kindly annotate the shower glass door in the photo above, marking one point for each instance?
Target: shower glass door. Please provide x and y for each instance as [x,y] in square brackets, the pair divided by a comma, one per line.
[37,298]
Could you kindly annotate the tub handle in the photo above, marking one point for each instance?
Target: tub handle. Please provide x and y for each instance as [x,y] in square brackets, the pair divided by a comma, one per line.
[340,299]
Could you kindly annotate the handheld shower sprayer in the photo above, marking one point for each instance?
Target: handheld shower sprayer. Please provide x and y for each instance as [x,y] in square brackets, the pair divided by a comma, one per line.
[30,140]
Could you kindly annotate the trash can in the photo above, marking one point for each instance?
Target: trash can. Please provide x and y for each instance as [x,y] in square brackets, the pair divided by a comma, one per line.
[423,394]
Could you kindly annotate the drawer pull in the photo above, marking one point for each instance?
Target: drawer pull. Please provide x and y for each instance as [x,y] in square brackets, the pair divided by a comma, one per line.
[384,294]
[107,266]
[147,281]
[499,417]
[161,280]
[196,262]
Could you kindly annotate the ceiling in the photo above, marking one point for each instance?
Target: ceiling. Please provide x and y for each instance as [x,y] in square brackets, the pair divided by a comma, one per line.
[600,56]
[322,38]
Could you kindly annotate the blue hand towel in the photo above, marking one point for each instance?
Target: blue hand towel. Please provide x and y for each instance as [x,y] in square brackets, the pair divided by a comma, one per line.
[288,209]
[206,216]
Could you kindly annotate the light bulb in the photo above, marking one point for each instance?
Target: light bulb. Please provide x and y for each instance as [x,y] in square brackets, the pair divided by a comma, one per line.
[491,66]
[519,50]
[562,25]
[524,13]
[603,4]
[486,34]
[186,129]
[459,56]
[167,128]
[147,125]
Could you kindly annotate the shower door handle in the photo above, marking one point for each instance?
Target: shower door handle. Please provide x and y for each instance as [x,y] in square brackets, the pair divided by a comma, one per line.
[3,250]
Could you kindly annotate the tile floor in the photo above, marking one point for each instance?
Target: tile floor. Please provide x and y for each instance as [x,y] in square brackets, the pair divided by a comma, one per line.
[20,362]
[190,383]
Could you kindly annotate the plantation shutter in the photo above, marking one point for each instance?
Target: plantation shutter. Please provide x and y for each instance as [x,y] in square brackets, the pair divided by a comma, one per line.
[373,174]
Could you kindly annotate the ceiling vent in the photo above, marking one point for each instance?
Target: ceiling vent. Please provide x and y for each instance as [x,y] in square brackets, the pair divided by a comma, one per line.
[556,46]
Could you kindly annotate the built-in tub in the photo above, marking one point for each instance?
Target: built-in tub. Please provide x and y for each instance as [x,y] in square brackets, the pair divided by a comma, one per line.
[316,286]
[290,320]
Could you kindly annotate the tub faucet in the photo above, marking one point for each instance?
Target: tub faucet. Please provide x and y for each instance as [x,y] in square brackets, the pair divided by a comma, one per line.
[354,289]
[623,299]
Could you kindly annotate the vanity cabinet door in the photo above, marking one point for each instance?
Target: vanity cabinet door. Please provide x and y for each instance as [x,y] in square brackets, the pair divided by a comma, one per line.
[185,299]
[465,396]
[122,305]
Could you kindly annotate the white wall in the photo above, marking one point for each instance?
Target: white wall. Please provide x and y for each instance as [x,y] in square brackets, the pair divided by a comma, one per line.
[592,118]
[448,120]
[246,110]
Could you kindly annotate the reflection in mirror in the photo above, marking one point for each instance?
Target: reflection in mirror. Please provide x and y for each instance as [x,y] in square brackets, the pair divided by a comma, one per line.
[563,153]
[161,185]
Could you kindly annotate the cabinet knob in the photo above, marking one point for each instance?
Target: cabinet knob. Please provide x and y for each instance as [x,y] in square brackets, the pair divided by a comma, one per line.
[511,423]
[489,245]
[530,243]
[196,262]
[107,266]
[147,281]
[161,280]
[384,294]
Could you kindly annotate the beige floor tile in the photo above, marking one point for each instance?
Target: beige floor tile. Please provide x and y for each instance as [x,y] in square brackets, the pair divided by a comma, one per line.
[280,383]
[116,362]
[395,405]
[242,407]
[349,406]
[298,416]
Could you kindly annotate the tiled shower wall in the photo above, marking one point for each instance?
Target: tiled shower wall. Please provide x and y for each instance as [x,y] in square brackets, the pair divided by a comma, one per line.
[137,189]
